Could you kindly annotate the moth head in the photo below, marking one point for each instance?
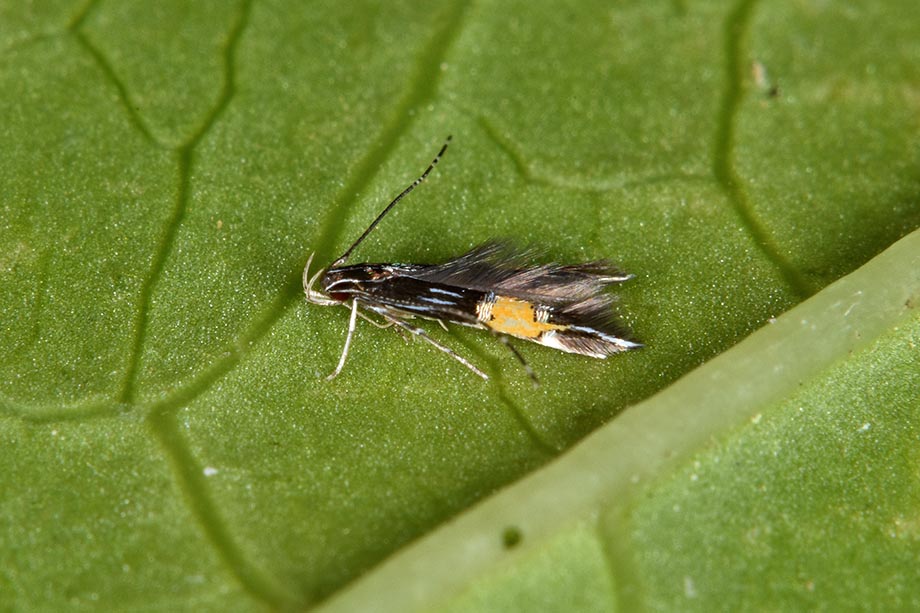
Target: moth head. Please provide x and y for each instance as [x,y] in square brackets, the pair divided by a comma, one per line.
[339,283]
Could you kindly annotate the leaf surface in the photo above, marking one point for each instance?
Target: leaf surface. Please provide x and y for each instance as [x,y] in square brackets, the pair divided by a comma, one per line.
[169,436]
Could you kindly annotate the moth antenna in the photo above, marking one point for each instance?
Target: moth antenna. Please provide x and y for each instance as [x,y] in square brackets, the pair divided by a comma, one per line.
[383,213]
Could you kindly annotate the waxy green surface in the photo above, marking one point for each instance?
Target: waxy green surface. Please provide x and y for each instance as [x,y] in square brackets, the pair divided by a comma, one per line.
[167,437]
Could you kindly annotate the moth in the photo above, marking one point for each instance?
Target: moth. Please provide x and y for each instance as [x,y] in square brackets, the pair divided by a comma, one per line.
[493,287]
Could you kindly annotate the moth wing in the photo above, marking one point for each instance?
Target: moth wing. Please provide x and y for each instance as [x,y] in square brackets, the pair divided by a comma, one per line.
[498,267]
[592,326]
[480,268]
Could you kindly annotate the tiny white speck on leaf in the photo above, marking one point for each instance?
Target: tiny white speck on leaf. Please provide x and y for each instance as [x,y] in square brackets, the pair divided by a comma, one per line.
[689,587]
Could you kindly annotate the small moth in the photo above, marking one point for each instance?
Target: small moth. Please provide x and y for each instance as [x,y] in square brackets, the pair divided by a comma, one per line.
[492,287]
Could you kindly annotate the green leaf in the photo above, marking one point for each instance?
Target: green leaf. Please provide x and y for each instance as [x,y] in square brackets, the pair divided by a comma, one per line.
[782,474]
[168,435]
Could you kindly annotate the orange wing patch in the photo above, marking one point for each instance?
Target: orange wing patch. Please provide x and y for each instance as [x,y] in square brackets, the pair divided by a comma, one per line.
[515,317]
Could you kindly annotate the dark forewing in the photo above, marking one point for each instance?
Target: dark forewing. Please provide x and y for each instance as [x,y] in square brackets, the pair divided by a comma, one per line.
[411,296]
[591,328]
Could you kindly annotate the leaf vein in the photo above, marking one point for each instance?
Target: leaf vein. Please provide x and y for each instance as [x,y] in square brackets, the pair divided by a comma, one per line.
[185,155]
[190,477]
[726,175]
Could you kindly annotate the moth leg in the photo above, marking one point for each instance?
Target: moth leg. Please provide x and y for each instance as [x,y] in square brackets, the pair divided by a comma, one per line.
[385,324]
[407,339]
[422,334]
[351,332]
[530,373]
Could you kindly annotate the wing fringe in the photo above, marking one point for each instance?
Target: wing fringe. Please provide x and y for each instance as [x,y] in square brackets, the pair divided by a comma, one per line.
[498,267]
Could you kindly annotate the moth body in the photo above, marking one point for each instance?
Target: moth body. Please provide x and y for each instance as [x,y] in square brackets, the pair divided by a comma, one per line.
[492,287]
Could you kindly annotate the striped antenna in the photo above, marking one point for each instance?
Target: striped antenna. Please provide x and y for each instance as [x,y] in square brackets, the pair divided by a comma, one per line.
[405,192]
